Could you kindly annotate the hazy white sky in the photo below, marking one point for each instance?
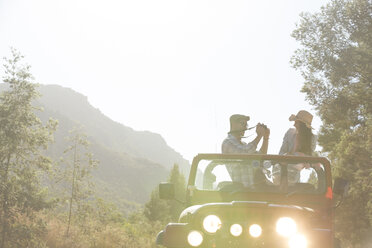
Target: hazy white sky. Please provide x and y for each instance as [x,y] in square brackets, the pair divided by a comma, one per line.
[177,68]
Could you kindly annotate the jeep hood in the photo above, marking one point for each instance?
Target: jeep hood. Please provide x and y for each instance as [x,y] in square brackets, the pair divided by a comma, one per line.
[246,208]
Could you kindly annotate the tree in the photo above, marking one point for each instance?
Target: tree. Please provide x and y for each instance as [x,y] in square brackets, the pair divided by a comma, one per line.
[156,209]
[178,181]
[335,60]
[77,174]
[23,137]
[161,210]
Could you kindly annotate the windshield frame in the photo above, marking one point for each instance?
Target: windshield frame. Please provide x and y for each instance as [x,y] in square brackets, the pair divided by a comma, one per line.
[285,159]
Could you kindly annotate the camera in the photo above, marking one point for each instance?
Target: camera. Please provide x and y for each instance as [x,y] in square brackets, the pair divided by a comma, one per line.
[262,125]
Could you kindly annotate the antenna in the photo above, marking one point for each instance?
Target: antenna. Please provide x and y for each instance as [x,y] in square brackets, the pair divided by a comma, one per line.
[215,128]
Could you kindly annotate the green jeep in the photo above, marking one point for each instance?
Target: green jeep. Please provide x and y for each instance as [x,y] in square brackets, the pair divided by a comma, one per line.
[236,200]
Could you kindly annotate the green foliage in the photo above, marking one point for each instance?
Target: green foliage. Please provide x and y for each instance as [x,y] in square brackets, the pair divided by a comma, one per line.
[23,137]
[336,63]
[27,218]
[156,209]
[164,211]
[134,231]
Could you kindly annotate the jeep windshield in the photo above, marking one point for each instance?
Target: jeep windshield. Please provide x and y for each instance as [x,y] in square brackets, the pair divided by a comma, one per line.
[286,175]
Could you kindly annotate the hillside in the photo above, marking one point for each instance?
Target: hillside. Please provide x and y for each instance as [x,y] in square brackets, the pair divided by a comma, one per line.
[132,162]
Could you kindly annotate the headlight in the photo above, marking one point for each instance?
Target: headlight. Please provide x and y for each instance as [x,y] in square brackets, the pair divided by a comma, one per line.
[286,226]
[298,241]
[236,230]
[255,230]
[211,223]
[195,238]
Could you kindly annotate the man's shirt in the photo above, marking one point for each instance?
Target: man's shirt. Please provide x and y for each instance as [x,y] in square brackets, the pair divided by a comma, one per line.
[238,172]
[233,145]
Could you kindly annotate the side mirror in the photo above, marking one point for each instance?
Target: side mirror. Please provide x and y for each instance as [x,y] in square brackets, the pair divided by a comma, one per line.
[340,186]
[166,191]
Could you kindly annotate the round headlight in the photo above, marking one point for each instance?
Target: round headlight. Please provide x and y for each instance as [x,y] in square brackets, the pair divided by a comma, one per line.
[211,223]
[286,226]
[236,230]
[195,238]
[255,230]
[298,241]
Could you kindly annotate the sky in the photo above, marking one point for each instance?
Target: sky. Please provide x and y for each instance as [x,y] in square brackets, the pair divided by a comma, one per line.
[179,68]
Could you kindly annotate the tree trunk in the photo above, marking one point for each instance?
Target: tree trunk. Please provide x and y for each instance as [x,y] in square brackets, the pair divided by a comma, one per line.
[5,217]
[72,191]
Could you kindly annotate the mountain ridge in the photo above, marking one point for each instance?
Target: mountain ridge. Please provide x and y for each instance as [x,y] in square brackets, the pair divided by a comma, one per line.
[128,137]
[132,163]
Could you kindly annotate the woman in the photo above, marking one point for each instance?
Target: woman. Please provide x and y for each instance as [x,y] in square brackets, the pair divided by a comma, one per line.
[299,140]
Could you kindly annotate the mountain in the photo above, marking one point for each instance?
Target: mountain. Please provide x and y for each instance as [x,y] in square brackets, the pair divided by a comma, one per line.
[132,162]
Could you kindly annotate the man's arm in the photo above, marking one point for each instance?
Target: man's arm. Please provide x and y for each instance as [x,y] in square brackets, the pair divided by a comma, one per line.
[260,131]
[256,140]
[265,143]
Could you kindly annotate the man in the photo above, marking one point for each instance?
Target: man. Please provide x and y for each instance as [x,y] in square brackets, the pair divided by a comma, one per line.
[234,144]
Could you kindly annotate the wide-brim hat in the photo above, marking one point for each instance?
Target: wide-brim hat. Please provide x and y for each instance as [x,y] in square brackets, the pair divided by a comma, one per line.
[303,116]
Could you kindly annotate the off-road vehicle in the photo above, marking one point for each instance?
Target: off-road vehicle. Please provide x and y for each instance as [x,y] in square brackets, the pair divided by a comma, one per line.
[235,200]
